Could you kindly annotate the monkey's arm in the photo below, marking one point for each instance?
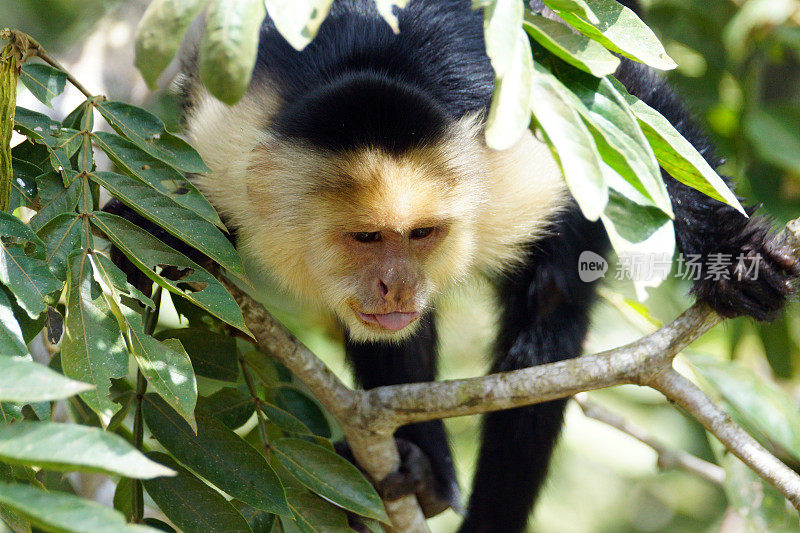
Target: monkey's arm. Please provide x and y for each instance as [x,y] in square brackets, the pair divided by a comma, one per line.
[705,227]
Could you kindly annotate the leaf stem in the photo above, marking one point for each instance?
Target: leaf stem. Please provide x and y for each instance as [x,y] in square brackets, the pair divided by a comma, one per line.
[137,494]
[248,378]
[30,47]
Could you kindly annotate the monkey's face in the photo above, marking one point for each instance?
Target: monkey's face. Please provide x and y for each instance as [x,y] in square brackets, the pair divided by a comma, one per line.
[390,284]
[371,236]
[398,231]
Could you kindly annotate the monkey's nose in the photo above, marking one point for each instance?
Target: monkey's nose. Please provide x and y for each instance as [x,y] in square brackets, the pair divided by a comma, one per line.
[398,294]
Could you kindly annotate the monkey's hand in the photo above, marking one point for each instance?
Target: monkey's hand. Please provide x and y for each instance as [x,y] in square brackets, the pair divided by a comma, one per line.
[413,476]
[760,276]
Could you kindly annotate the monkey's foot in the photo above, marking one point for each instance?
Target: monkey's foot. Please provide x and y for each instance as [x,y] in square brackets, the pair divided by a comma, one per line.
[414,476]
[761,277]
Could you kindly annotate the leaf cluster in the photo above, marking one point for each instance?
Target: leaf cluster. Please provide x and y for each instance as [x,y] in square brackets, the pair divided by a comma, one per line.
[242,446]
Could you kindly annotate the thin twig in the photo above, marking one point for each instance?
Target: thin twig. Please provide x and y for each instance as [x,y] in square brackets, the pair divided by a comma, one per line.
[668,458]
[30,47]
[137,493]
[686,394]
[248,379]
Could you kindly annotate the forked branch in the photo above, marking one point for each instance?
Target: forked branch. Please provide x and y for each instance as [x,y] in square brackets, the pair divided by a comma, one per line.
[369,418]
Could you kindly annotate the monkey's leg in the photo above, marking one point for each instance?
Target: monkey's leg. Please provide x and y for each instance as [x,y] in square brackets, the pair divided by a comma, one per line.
[544,318]
[411,360]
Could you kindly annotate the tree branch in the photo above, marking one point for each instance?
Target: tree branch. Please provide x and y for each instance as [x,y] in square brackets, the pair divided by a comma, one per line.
[668,458]
[369,418]
[686,394]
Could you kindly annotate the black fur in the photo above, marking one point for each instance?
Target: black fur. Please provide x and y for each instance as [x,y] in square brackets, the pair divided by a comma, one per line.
[360,84]
[353,112]
[439,50]
[545,315]
[411,361]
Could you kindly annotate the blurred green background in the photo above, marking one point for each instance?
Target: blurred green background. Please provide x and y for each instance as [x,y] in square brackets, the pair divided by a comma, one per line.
[739,70]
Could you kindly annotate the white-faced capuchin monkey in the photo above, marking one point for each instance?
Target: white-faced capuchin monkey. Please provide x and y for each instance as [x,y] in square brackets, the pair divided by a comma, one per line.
[356,173]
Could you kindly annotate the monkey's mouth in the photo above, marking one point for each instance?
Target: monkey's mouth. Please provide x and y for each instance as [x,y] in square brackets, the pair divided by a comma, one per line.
[388,321]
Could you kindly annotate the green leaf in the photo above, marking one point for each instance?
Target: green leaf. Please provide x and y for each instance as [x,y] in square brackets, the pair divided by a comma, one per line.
[123,496]
[229,47]
[25,381]
[312,514]
[298,20]
[284,420]
[166,366]
[14,521]
[620,30]
[780,345]
[10,412]
[500,23]
[22,270]
[758,404]
[773,132]
[136,163]
[34,153]
[576,49]
[30,327]
[213,355]
[12,343]
[119,281]
[93,349]
[510,52]
[315,515]
[148,132]
[191,504]
[147,253]
[160,525]
[302,406]
[386,11]
[675,154]
[231,406]
[68,447]
[62,235]
[259,521]
[55,198]
[329,475]
[635,230]
[573,144]
[579,7]
[43,81]
[618,136]
[61,142]
[217,454]
[176,219]
[23,184]
[160,33]
[266,369]
[64,513]
[77,118]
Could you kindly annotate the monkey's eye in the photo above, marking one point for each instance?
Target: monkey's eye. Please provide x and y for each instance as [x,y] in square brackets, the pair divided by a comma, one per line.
[420,233]
[366,236]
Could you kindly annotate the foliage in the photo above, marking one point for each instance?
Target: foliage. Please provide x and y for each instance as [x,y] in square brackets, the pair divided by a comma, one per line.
[246,447]
[57,272]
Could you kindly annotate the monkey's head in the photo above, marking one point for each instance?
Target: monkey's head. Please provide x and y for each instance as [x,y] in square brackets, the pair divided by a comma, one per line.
[371,235]
[365,197]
